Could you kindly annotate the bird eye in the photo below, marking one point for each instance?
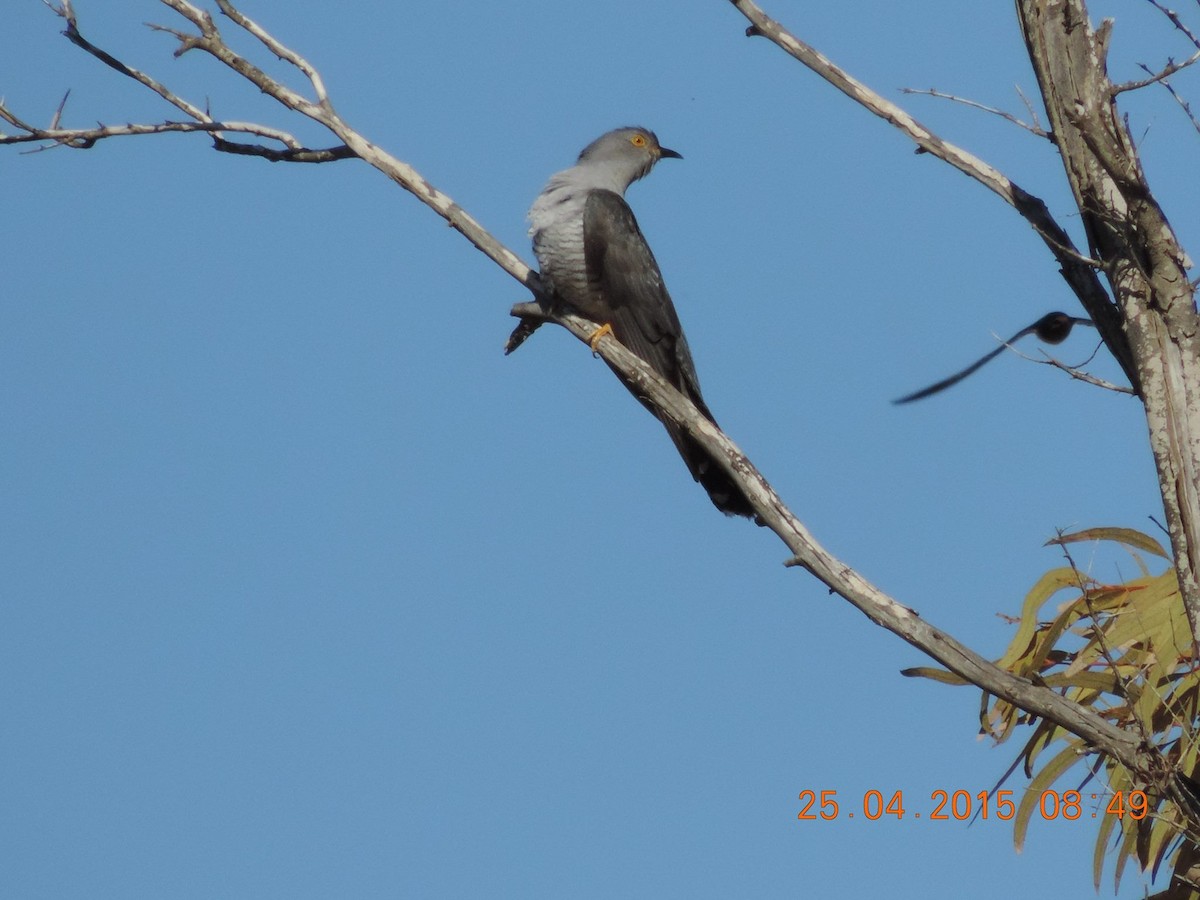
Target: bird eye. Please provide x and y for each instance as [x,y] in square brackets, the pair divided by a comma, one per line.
[638,140]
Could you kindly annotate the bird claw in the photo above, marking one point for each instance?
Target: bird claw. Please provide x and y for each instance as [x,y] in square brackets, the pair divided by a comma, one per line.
[600,332]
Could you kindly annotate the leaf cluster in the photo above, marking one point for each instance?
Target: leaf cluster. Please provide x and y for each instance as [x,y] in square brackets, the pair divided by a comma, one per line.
[1125,652]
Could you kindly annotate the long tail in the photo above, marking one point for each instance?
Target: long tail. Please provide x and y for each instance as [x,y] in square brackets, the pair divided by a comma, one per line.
[724,493]
[722,490]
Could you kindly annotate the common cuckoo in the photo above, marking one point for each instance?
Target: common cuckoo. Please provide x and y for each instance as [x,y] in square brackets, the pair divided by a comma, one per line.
[594,258]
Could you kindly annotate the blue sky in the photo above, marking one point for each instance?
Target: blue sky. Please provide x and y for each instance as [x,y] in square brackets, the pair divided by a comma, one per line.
[309,591]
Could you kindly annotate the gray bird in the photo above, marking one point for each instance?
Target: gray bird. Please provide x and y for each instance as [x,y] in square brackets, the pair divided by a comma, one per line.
[594,258]
[1052,328]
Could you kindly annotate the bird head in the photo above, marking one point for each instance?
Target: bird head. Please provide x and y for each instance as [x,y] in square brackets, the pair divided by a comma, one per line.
[1055,327]
[630,153]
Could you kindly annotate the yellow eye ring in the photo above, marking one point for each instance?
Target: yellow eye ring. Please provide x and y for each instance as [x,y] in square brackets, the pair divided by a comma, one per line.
[638,140]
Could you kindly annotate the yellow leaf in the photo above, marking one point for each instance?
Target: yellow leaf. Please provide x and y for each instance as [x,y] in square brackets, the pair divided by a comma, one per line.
[1039,783]
[1127,536]
[1024,640]
[933,674]
[1107,823]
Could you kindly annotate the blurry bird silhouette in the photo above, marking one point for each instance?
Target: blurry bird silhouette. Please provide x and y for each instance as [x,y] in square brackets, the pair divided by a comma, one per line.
[1052,328]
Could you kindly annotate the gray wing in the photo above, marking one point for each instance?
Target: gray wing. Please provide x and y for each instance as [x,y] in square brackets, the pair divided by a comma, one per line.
[622,268]
[632,298]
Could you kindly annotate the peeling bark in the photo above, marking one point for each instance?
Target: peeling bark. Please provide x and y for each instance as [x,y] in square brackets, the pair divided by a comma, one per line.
[1153,317]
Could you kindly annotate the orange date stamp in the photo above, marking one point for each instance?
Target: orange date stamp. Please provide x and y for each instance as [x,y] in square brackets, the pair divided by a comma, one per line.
[962,806]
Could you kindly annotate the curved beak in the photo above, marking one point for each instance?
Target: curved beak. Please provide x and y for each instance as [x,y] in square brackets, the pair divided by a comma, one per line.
[664,153]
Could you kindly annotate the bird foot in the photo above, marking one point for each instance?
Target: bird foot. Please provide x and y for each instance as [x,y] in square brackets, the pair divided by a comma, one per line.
[600,332]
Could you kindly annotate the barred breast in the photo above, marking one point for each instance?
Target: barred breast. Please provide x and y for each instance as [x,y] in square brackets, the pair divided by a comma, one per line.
[556,226]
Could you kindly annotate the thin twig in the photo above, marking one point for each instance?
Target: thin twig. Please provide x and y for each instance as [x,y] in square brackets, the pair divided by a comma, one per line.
[1086,377]
[1075,371]
[1184,105]
[1079,270]
[210,41]
[1177,22]
[1166,72]
[1032,110]
[75,37]
[284,53]
[86,138]
[1083,583]
[8,116]
[671,404]
[839,577]
[974,104]
[57,118]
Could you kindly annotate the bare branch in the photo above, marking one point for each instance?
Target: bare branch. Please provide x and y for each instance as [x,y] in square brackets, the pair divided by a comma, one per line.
[278,49]
[805,551]
[880,608]
[290,154]
[1032,110]
[83,139]
[1086,377]
[75,37]
[1166,72]
[86,138]
[1078,269]
[8,116]
[1076,371]
[1184,105]
[63,10]
[1177,22]
[210,41]
[1009,117]
[1146,264]
[54,122]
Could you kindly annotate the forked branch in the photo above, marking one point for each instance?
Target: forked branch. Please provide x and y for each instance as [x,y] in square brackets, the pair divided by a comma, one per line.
[207,38]
[803,549]
[1079,270]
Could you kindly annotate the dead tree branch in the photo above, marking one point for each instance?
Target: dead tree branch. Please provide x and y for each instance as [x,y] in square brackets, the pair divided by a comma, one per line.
[208,39]
[1144,263]
[807,553]
[1077,372]
[1183,104]
[1173,17]
[1150,325]
[1079,270]
[1162,75]
[804,551]
[1130,240]
[1032,128]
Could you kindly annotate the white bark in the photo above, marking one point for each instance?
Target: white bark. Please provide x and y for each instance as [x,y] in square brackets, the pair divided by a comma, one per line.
[1152,327]
[1143,262]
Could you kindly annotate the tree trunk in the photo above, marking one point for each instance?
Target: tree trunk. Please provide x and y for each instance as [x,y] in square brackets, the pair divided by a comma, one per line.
[1153,320]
